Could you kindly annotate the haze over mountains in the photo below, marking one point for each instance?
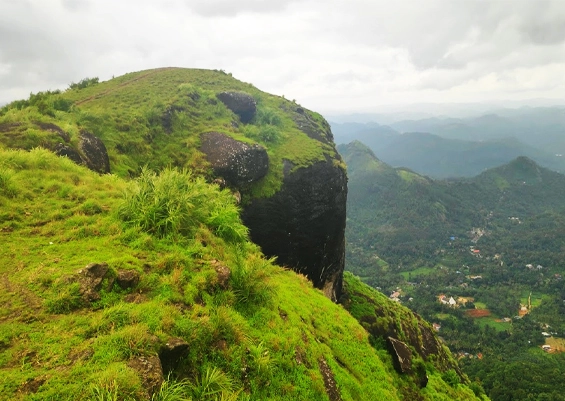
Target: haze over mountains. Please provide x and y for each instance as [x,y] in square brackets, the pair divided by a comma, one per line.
[443,147]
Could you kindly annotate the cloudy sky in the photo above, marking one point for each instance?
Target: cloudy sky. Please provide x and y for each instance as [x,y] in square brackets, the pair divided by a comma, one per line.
[329,55]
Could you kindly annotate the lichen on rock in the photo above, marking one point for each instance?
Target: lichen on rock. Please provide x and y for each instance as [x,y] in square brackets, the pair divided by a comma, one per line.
[238,163]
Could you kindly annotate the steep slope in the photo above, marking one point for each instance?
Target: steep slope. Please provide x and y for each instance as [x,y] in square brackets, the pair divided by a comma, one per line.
[269,151]
[123,290]
[482,258]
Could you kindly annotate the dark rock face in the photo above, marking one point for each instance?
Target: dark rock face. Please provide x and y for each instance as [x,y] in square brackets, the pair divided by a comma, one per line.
[68,151]
[240,103]
[127,279]
[303,224]
[236,162]
[171,353]
[401,355]
[94,153]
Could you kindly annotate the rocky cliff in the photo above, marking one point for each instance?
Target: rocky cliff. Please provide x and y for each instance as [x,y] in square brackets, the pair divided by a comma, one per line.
[277,157]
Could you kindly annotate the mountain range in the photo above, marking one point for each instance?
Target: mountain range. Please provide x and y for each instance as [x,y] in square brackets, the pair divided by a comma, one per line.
[453,147]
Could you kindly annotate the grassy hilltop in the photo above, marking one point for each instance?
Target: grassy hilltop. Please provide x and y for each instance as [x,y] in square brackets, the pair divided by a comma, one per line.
[106,278]
[154,118]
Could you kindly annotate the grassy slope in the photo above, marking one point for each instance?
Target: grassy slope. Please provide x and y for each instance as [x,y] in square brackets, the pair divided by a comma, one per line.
[155,118]
[57,217]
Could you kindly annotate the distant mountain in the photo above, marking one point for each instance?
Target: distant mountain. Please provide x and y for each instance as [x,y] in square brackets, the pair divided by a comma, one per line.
[437,156]
[404,216]
[372,134]
[541,127]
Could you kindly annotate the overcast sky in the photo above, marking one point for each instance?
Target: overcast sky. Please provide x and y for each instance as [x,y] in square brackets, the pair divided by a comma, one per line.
[329,55]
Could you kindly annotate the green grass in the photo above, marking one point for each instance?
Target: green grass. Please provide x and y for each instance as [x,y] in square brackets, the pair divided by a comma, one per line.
[492,322]
[265,321]
[535,298]
[480,305]
[421,271]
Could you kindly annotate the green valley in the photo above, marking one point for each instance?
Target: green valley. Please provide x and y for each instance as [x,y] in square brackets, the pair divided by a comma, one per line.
[481,258]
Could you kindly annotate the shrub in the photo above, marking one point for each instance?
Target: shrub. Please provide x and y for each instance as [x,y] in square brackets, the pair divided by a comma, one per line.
[177,203]
[269,133]
[84,83]
[451,377]
[172,391]
[7,186]
[268,117]
[213,383]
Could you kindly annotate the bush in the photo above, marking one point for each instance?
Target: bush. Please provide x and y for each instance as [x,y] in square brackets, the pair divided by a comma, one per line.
[177,203]
[84,83]
[269,133]
[451,377]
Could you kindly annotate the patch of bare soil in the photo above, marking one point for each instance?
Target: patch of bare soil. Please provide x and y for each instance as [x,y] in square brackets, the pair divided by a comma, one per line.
[475,313]
[329,380]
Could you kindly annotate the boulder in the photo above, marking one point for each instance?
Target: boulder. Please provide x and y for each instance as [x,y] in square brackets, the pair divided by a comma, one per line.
[68,151]
[303,224]
[171,353]
[90,280]
[93,152]
[150,371]
[127,279]
[401,355]
[240,103]
[236,162]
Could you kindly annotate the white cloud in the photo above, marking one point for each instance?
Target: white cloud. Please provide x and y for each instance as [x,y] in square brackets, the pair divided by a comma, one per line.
[329,55]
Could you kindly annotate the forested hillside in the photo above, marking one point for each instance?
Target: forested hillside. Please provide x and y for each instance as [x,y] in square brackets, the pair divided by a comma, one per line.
[481,257]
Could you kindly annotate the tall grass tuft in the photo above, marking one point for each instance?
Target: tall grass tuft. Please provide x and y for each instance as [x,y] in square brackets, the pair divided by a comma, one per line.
[175,203]
[7,186]
[249,280]
[172,391]
[213,384]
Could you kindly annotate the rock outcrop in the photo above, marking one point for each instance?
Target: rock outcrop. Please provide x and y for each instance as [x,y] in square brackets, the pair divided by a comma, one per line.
[303,224]
[90,280]
[91,152]
[94,153]
[401,355]
[240,103]
[238,163]
[407,335]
